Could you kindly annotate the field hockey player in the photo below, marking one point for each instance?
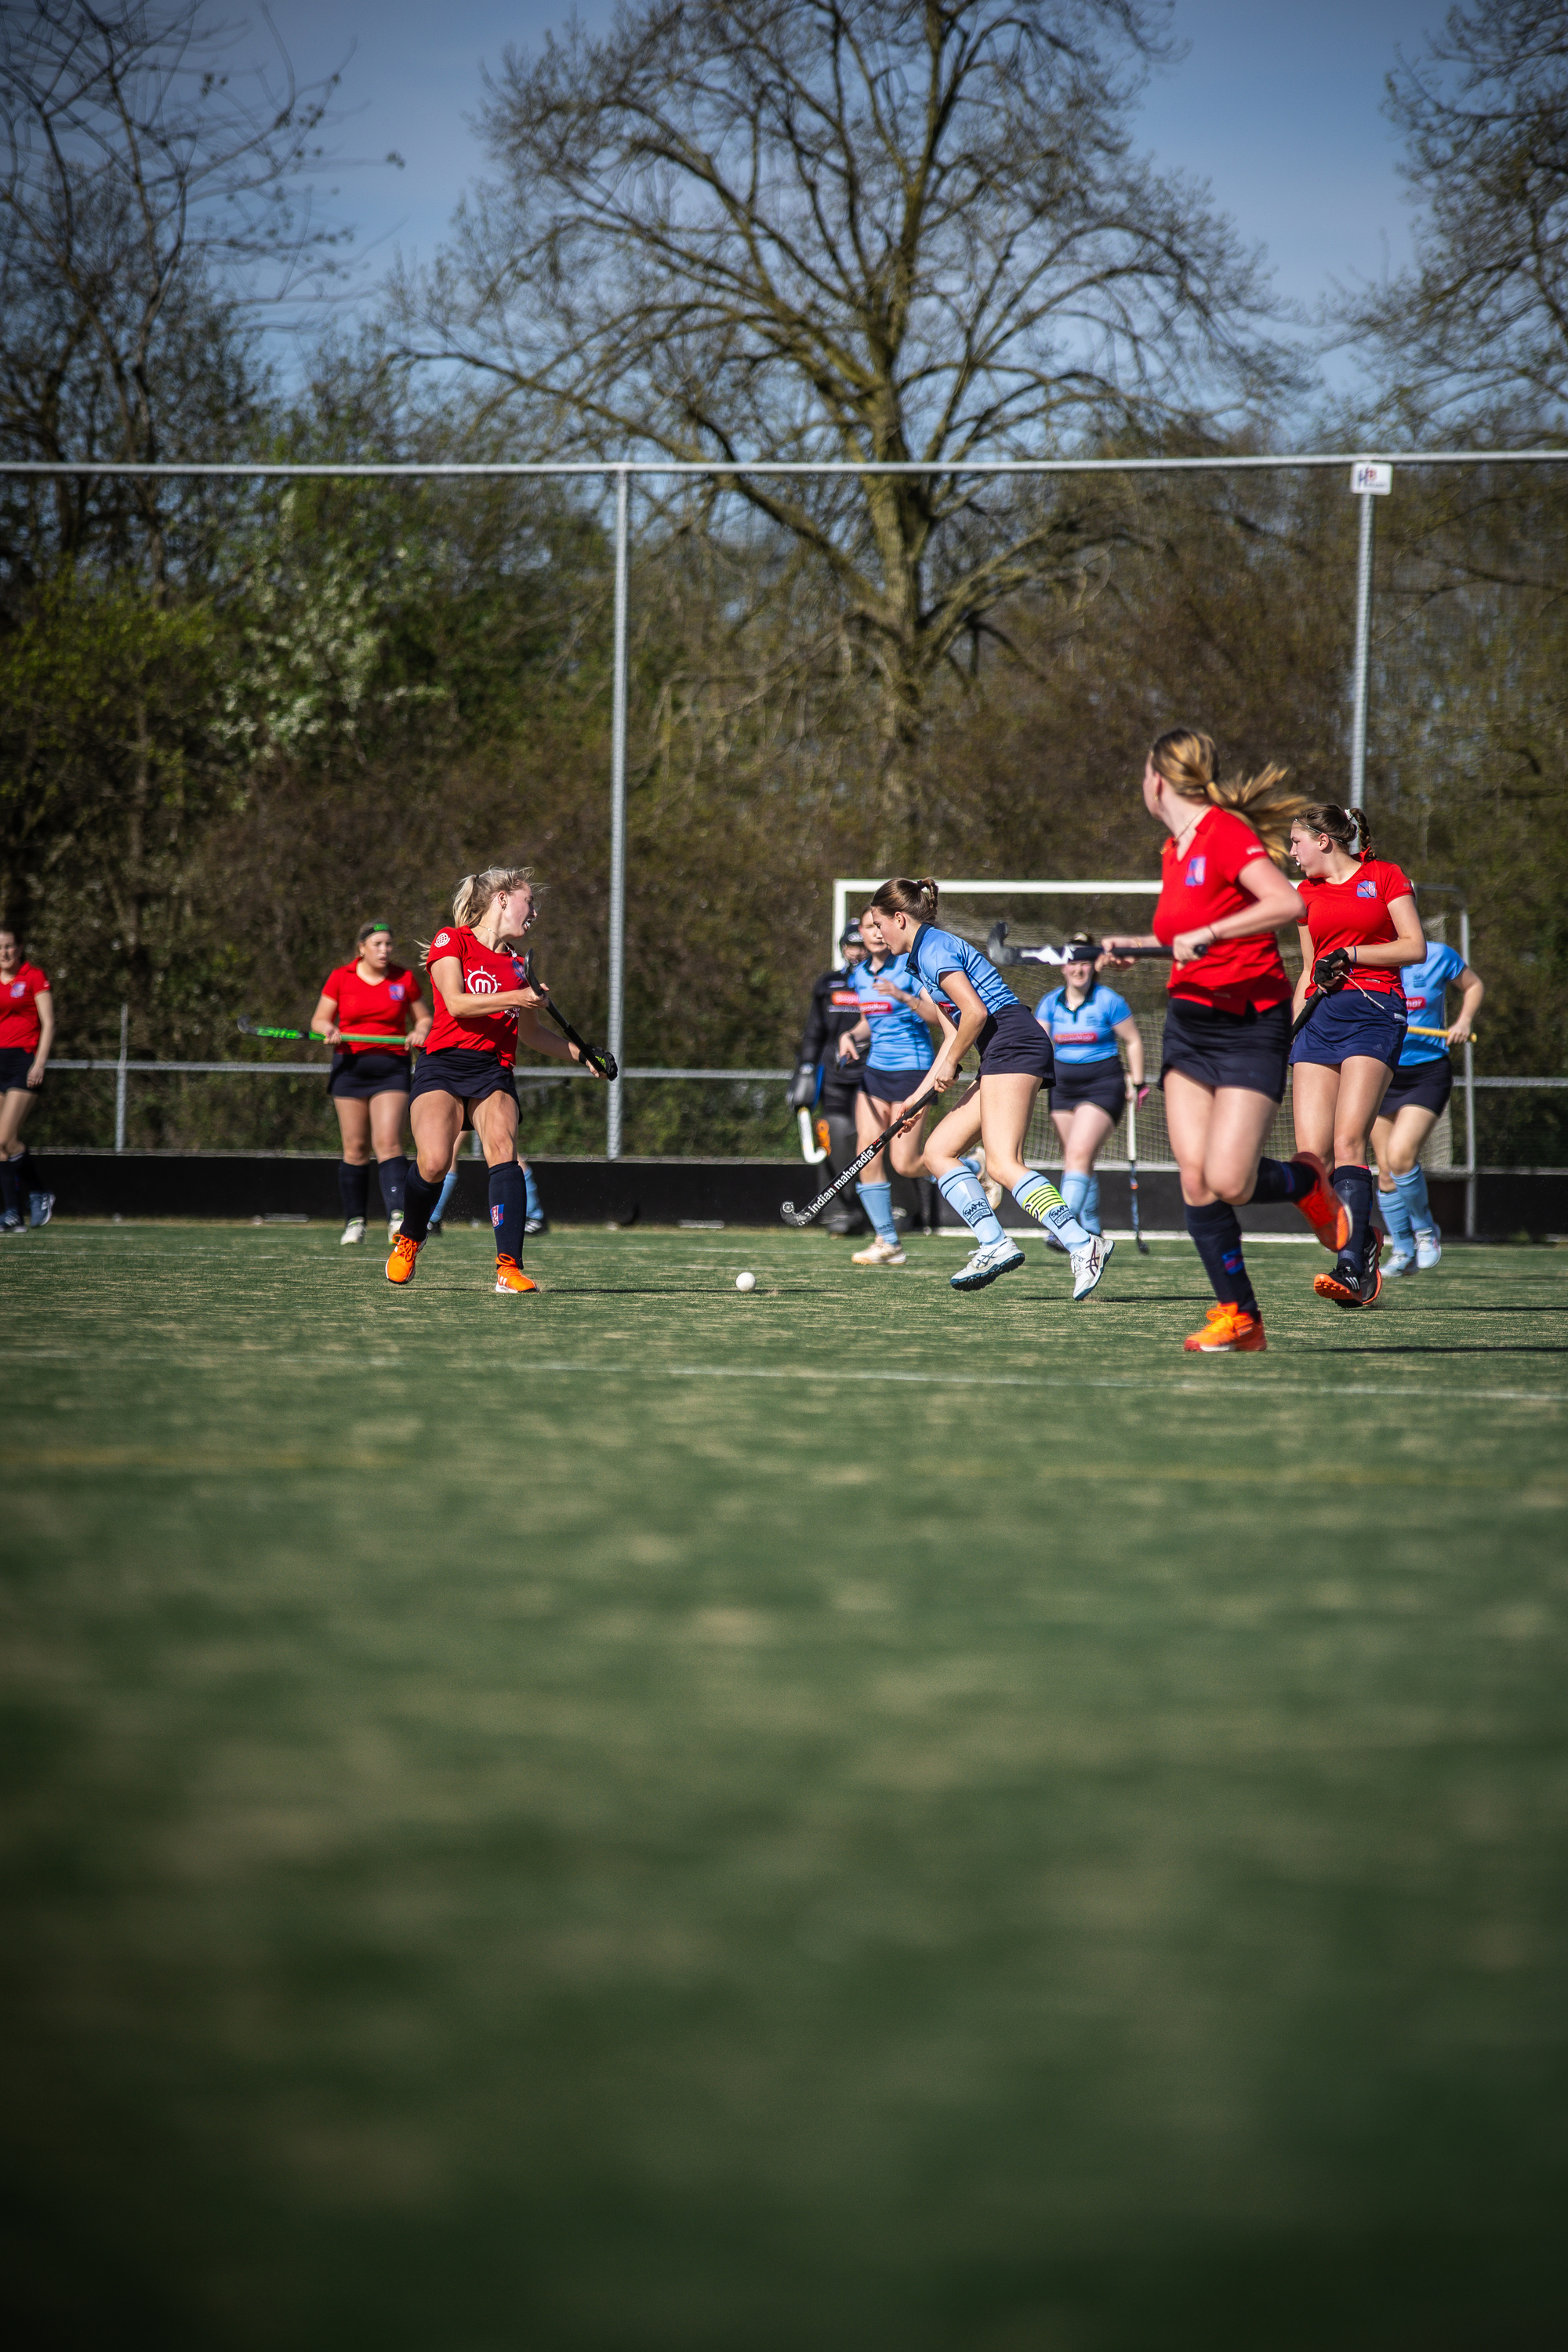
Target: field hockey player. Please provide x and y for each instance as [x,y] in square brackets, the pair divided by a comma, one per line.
[893,1041]
[1227,1026]
[1015,1062]
[1417,1097]
[26,1034]
[1361,930]
[371,995]
[481,1016]
[828,1080]
[1085,1020]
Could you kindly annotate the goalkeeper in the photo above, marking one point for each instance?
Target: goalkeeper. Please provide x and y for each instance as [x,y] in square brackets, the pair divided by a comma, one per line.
[827,1085]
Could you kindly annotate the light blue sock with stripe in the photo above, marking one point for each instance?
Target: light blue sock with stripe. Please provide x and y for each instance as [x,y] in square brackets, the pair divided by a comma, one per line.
[963,1193]
[1039,1199]
[1074,1189]
[1089,1207]
[1413,1192]
[1395,1211]
[531,1190]
[449,1186]
[878,1201]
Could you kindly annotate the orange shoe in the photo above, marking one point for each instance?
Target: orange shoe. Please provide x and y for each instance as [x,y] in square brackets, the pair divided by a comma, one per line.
[1364,1293]
[400,1265]
[510,1276]
[1229,1331]
[1322,1207]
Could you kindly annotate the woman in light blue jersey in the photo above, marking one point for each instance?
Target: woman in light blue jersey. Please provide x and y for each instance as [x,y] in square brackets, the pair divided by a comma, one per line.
[1015,1060]
[1417,1098]
[893,1035]
[1084,1020]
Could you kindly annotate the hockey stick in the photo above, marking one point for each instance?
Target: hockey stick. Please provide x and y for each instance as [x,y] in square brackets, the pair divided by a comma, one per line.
[602,1062]
[249,1028]
[999,953]
[1133,1172]
[794,1216]
[813,1153]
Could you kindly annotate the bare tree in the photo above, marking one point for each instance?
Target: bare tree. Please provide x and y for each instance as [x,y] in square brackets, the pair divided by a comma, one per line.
[856,230]
[151,192]
[1481,320]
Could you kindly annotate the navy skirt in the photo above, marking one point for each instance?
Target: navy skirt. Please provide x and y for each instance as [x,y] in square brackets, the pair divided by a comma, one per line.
[1013,1043]
[1101,1083]
[1353,1021]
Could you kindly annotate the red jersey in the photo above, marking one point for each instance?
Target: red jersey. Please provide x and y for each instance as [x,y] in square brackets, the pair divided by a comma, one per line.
[19,1023]
[1354,914]
[486,972]
[1201,887]
[383,1007]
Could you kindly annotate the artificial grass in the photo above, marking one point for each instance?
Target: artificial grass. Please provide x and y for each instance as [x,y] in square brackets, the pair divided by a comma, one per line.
[647,1817]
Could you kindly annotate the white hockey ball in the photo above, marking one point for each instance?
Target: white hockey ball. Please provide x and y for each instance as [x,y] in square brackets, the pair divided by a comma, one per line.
[745,1282]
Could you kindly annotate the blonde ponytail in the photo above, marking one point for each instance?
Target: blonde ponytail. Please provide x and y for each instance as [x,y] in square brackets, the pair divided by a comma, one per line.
[1188,761]
[472,898]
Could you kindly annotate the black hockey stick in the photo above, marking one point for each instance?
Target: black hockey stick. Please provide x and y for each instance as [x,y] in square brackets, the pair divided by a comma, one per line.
[599,1059]
[1316,994]
[999,953]
[794,1216]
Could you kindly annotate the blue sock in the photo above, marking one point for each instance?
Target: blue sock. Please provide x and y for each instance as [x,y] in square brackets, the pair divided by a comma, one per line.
[962,1193]
[531,1192]
[972,1160]
[1282,1179]
[1352,1183]
[507,1210]
[1073,1189]
[1039,1199]
[1089,1209]
[449,1186]
[1395,1211]
[877,1200]
[1215,1230]
[1413,1190]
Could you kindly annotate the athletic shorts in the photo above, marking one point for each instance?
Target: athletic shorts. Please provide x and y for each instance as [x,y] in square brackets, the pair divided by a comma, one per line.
[1101,1083]
[15,1061]
[1014,1043]
[1427,1085]
[464,1072]
[892,1086]
[358,1077]
[1352,1021]
[1227,1049]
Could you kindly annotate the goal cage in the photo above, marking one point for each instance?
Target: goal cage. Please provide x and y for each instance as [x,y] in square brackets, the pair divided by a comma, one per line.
[1040,914]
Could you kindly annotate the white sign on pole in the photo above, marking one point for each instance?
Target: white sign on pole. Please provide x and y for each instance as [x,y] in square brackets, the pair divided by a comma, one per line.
[1369,480]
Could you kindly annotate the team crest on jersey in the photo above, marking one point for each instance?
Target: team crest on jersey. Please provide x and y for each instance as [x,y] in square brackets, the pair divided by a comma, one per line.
[442,939]
[396,992]
[18,988]
[483,983]
[1367,889]
[1196,867]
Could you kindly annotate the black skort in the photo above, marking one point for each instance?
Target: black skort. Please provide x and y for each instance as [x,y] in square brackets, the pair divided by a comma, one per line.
[1014,1043]
[1427,1085]
[15,1061]
[464,1072]
[1101,1083]
[892,1086]
[1227,1049]
[360,1076]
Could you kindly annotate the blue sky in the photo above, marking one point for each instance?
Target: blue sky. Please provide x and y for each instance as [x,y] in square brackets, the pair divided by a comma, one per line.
[1276,105]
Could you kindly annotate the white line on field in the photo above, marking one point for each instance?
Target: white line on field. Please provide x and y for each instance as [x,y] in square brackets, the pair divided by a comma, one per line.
[1017,1381]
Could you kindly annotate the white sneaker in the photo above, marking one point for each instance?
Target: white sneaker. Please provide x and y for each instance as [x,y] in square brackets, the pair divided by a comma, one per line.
[1401,1262]
[394,1225]
[353,1231]
[42,1208]
[1430,1249]
[879,1253]
[986,1263]
[1088,1264]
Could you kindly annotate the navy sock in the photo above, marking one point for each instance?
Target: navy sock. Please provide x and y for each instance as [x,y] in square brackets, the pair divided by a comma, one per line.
[8,1185]
[394,1175]
[1215,1230]
[509,1209]
[419,1197]
[27,1177]
[1353,1186]
[1282,1179]
[354,1191]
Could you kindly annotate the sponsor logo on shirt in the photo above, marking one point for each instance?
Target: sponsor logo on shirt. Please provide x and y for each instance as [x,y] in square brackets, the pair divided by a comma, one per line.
[1196,867]
[1367,889]
[483,983]
[442,939]
[1416,1003]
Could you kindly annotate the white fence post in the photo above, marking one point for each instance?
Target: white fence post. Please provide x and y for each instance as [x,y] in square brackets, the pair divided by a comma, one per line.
[618,825]
[1368,481]
[121,1068]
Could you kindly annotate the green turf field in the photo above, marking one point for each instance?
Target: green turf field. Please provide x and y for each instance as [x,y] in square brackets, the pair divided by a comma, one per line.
[850,1817]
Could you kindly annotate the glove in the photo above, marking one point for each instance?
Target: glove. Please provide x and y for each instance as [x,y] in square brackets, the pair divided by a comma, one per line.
[1332,970]
[803,1087]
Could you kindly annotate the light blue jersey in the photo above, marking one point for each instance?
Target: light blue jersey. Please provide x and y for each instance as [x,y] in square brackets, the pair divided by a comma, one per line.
[935,952]
[899,1038]
[1088,1034]
[1426,993]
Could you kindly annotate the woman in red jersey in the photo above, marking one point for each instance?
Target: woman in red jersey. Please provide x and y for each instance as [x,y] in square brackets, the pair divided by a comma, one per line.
[26,1034]
[483,1012]
[369,1085]
[1227,1022]
[1361,930]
